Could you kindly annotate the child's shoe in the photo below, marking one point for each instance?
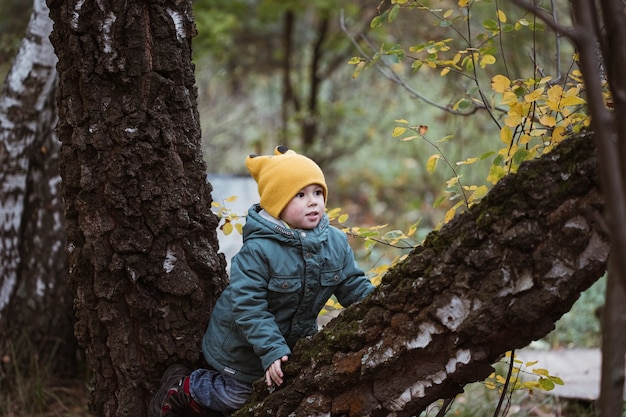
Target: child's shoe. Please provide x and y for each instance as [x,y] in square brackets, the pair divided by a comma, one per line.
[173,397]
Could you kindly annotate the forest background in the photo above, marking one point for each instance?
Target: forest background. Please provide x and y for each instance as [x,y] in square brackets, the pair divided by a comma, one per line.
[255,63]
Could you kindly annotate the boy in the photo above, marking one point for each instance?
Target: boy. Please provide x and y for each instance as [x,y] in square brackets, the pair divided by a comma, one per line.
[290,264]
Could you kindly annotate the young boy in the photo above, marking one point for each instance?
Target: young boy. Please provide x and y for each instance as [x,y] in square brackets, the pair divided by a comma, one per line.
[291,262]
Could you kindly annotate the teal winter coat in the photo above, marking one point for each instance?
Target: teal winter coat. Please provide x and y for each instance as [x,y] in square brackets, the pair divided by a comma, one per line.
[279,282]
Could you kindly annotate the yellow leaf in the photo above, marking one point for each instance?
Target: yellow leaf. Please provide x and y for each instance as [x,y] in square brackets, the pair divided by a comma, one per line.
[468,161]
[231,199]
[398,131]
[487,60]
[432,163]
[555,92]
[404,121]
[533,96]
[545,79]
[227,228]
[358,69]
[506,135]
[333,213]
[239,228]
[452,212]
[509,98]
[558,134]
[463,3]
[496,172]
[538,132]
[572,92]
[547,120]
[500,83]
[444,71]
[513,119]
[343,218]
[452,182]
[479,193]
[449,215]
[501,16]
[215,204]
[572,101]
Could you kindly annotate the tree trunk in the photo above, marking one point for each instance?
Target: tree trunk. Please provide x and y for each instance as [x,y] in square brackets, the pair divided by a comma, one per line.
[144,266]
[494,279]
[35,304]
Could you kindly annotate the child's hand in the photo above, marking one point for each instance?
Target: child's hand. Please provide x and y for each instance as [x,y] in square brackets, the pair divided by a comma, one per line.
[274,374]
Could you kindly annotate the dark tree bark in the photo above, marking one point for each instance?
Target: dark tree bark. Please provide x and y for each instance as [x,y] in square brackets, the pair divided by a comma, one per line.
[144,266]
[494,279]
[35,303]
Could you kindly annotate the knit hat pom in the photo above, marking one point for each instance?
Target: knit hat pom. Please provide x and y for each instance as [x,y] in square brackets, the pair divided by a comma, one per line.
[281,176]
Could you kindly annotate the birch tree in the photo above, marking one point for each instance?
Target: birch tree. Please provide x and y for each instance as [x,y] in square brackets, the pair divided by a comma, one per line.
[35,304]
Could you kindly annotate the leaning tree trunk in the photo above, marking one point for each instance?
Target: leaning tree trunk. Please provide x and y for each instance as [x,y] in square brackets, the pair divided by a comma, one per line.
[142,240]
[494,279]
[35,304]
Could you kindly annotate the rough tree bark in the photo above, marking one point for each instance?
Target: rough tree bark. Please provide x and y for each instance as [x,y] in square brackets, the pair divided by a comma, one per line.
[144,266]
[35,303]
[494,279]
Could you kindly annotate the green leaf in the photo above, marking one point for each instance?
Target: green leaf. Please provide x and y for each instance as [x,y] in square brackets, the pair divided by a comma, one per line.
[490,24]
[557,380]
[520,156]
[462,104]
[439,201]
[546,384]
[377,21]
[417,64]
[393,13]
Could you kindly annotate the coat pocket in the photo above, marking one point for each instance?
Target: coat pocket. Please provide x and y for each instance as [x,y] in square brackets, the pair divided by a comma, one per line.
[284,284]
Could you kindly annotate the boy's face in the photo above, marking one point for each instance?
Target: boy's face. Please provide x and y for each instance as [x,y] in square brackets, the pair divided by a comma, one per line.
[306,209]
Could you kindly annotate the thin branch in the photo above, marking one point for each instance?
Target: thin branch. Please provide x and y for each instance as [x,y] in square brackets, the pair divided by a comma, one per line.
[547,18]
[391,75]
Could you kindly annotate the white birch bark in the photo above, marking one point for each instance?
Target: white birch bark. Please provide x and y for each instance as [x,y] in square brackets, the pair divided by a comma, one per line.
[23,97]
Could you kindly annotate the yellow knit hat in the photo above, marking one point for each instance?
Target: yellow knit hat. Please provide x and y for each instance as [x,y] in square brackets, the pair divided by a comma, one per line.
[281,176]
